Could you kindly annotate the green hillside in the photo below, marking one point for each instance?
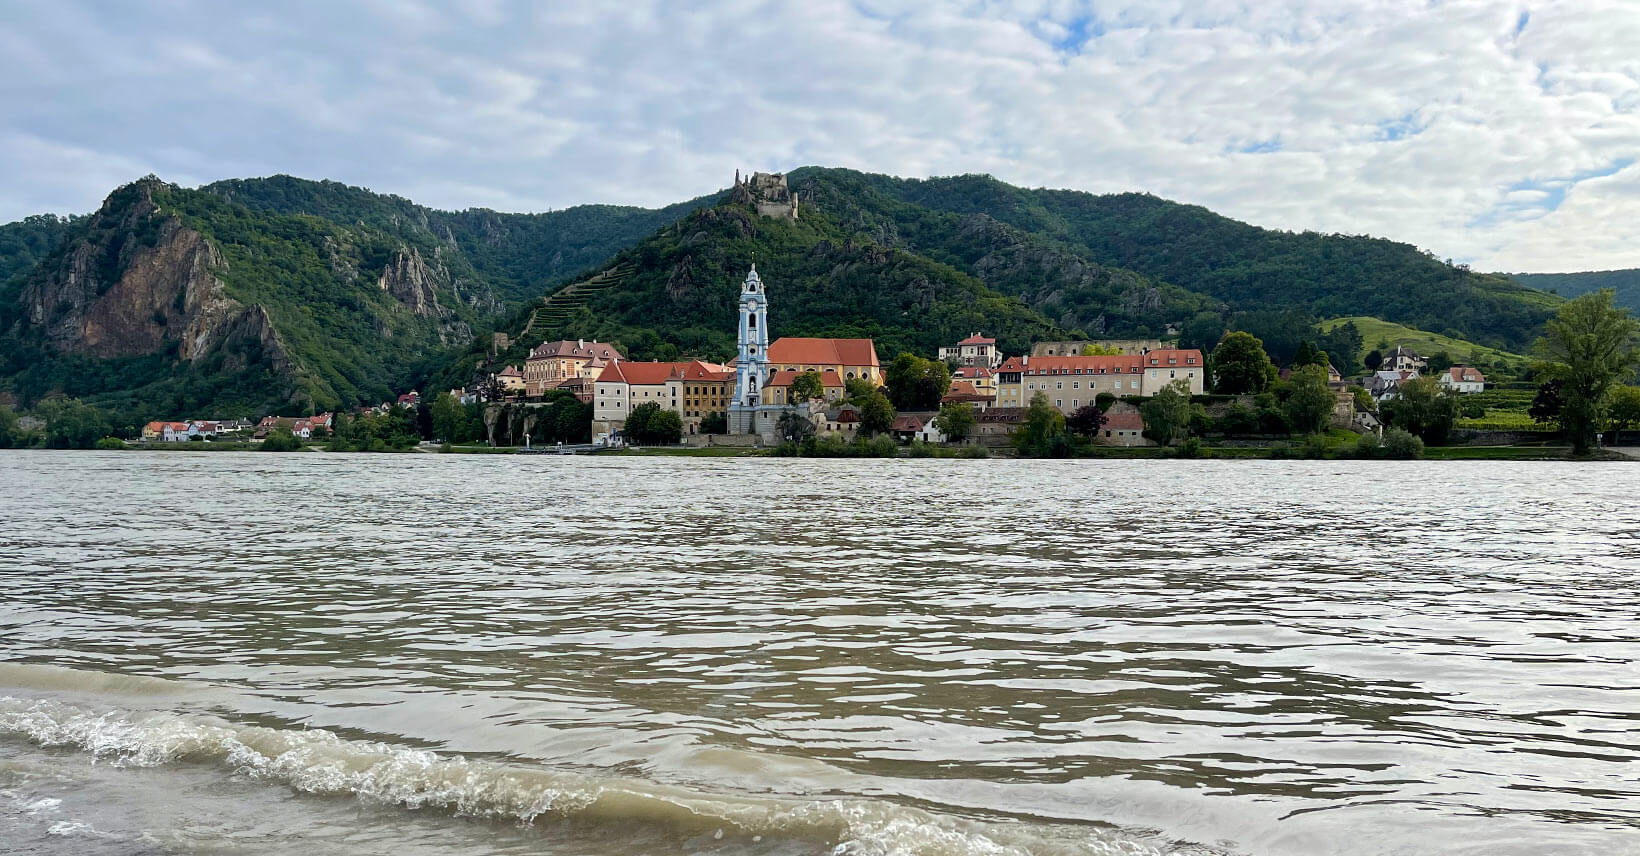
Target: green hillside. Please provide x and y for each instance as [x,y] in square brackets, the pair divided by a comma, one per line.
[518,256]
[1246,267]
[678,289]
[1376,330]
[1625,282]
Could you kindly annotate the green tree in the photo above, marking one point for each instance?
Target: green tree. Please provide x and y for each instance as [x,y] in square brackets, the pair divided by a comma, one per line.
[806,386]
[1305,355]
[915,383]
[876,414]
[1373,360]
[10,434]
[1167,414]
[794,427]
[1240,365]
[1202,331]
[71,423]
[449,418]
[1309,403]
[1343,344]
[858,390]
[1438,362]
[1547,403]
[1589,345]
[665,428]
[1091,350]
[1623,410]
[716,422]
[636,427]
[1422,407]
[956,421]
[1043,434]
[281,440]
[1086,421]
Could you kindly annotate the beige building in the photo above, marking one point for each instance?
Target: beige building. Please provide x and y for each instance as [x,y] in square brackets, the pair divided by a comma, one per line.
[976,350]
[511,379]
[984,379]
[552,362]
[690,389]
[1074,382]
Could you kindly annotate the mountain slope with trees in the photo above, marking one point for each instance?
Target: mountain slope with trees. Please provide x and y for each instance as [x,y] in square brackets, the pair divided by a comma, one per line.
[1246,267]
[1626,284]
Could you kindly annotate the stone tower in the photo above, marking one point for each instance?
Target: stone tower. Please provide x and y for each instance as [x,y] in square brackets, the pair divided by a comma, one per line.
[752,358]
[768,193]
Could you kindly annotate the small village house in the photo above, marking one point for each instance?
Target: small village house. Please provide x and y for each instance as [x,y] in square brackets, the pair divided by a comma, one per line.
[1462,380]
[976,350]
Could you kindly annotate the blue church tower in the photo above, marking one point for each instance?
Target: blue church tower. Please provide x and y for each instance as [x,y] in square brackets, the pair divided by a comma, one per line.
[752,359]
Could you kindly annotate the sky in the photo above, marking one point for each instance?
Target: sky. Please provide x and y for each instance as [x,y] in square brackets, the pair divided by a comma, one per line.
[1505,135]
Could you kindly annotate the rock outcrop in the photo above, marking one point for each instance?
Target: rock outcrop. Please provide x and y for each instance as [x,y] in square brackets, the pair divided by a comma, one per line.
[139,281]
[412,283]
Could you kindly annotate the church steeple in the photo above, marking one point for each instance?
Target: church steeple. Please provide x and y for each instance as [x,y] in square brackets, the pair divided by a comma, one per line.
[752,359]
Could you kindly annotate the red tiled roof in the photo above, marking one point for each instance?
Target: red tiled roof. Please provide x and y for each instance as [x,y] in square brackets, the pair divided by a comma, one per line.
[821,352]
[654,374]
[977,339]
[576,349]
[1466,374]
[1179,357]
[510,371]
[906,423]
[1125,421]
[975,372]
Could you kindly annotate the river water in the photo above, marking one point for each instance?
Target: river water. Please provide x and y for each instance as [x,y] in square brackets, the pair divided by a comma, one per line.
[308,654]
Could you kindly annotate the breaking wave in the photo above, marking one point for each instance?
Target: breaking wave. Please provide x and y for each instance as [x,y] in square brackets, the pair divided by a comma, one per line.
[320,762]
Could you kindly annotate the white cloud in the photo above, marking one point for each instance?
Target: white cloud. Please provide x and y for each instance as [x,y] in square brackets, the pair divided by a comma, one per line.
[1445,125]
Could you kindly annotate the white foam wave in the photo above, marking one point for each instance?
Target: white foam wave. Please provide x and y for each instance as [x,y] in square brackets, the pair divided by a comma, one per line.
[320,762]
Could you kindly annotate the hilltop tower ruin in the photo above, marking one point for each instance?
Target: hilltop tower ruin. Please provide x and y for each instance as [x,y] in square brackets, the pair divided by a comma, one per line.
[768,193]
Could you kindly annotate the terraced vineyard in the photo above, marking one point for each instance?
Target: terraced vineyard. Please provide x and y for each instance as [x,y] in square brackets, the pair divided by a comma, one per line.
[564,302]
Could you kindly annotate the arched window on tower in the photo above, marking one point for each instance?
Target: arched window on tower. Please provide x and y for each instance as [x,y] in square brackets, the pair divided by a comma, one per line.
[751,321]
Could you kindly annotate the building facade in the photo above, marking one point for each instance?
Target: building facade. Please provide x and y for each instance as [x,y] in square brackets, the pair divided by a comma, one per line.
[1074,382]
[1462,380]
[752,364]
[976,350]
[691,389]
[552,362]
[849,358]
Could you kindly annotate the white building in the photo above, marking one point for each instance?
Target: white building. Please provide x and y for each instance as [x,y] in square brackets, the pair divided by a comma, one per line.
[1462,379]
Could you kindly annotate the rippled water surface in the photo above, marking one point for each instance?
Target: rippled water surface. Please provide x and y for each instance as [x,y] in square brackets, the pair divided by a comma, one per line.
[304,654]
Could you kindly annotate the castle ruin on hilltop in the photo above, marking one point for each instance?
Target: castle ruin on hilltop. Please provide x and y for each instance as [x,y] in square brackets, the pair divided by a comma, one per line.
[768,193]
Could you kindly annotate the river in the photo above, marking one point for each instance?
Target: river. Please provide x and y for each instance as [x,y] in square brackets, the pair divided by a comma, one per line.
[238,653]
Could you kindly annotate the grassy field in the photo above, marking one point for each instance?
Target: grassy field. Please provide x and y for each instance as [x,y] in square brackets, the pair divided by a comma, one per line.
[1425,343]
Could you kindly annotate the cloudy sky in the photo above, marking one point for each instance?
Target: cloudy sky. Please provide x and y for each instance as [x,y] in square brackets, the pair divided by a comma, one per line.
[1504,134]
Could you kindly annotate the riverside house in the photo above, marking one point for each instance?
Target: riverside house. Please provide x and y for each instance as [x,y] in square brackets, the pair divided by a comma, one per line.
[1073,382]
[691,389]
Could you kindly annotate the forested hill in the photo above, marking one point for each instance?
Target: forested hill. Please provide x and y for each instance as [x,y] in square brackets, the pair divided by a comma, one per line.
[267,295]
[1625,282]
[1246,267]
[520,255]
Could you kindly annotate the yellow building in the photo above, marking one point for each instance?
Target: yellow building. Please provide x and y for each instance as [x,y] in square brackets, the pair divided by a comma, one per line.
[778,389]
[849,358]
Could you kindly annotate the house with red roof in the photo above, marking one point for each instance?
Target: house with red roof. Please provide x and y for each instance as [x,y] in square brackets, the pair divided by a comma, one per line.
[1075,381]
[964,392]
[692,389]
[1462,379]
[551,362]
[976,350]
